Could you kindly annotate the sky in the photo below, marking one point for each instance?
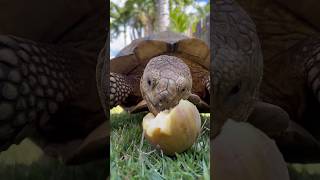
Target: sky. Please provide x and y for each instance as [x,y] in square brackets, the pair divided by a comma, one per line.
[117,44]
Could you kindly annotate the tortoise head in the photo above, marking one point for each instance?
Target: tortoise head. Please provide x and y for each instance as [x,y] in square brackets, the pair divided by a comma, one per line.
[165,81]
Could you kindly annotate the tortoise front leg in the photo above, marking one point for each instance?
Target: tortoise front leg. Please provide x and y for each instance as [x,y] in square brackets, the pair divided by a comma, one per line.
[296,144]
[269,118]
[201,105]
[196,100]
[120,89]
[37,81]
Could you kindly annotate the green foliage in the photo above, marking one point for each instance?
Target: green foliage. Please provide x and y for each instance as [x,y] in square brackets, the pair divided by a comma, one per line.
[179,20]
[116,19]
[181,3]
[140,15]
[304,172]
[134,158]
[202,12]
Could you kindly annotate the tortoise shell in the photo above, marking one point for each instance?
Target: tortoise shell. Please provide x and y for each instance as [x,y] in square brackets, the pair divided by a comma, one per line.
[132,59]
[140,51]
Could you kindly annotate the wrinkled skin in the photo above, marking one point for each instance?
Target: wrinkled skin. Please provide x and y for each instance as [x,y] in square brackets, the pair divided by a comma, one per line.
[48,56]
[288,103]
[289,35]
[237,72]
[165,80]
[237,63]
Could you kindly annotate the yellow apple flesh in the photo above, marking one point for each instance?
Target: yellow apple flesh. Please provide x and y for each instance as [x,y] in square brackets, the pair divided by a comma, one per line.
[174,130]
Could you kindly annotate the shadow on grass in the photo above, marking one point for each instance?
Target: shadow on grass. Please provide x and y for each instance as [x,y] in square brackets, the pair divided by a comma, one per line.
[49,169]
[27,161]
[302,173]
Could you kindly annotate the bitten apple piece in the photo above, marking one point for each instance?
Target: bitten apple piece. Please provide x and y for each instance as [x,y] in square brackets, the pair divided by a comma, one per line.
[243,152]
[174,130]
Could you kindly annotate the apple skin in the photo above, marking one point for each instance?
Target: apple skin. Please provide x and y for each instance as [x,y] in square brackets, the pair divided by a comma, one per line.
[243,152]
[175,130]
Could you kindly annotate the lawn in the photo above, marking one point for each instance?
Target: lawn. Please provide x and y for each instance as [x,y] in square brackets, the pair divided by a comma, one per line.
[132,157]
[28,162]
[304,171]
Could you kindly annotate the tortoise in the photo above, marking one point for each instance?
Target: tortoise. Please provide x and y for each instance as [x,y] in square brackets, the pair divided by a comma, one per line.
[48,89]
[237,65]
[153,73]
[287,101]
[290,41]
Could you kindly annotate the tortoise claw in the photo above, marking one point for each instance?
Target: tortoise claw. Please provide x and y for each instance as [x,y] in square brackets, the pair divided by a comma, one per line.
[201,105]
[298,145]
[269,118]
[141,106]
[94,146]
[78,151]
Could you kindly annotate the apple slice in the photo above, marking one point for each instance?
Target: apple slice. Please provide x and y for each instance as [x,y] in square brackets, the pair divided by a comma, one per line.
[174,130]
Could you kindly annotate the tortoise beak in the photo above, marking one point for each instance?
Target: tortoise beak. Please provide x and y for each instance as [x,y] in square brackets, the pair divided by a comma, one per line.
[151,106]
[153,109]
[162,104]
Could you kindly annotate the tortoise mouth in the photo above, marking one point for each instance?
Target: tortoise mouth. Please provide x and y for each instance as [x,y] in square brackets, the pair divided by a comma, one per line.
[152,107]
[155,108]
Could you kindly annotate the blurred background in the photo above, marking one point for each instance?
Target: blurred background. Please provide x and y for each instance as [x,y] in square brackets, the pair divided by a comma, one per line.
[132,19]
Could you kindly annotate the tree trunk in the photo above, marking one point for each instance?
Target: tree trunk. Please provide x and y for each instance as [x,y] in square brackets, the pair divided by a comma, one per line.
[133,34]
[163,19]
[125,34]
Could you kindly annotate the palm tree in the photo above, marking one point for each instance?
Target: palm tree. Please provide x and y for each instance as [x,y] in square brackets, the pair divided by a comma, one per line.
[118,21]
[139,15]
[143,17]
[181,21]
[163,15]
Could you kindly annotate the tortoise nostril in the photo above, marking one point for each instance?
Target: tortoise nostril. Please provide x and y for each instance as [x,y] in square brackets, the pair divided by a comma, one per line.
[235,89]
[162,101]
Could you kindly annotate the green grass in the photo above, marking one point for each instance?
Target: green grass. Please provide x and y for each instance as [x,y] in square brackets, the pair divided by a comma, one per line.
[304,171]
[132,157]
[53,170]
[28,162]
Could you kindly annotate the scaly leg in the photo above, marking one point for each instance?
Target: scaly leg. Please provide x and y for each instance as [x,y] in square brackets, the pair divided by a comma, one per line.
[120,89]
[296,143]
[46,87]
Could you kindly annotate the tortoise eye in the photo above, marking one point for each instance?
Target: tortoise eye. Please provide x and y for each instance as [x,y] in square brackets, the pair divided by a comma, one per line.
[235,89]
[183,89]
[149,82]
